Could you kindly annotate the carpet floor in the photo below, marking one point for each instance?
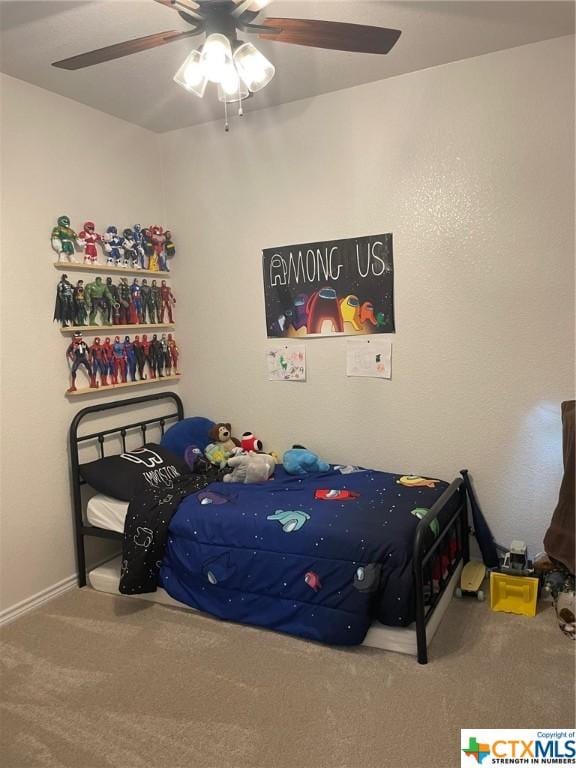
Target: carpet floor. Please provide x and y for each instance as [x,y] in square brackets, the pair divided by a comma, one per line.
[90,680]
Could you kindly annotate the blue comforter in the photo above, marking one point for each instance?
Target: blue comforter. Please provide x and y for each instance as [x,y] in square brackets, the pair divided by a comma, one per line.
[318,556]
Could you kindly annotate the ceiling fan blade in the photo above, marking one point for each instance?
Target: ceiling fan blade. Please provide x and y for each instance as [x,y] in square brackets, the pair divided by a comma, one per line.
[188,6]
[119,50]
[334,35]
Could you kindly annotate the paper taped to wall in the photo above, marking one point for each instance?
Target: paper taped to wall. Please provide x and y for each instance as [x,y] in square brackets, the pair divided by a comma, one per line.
[369,357]
[287,363]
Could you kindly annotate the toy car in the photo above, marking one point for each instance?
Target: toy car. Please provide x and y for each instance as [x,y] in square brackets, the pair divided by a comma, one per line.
[471,580]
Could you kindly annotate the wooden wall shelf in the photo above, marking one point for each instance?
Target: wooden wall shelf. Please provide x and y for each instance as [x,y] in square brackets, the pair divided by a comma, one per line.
[110,330]
[78,266]
[113,387]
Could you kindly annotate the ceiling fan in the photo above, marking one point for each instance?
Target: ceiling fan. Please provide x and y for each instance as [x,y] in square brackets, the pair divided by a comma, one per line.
[237,67]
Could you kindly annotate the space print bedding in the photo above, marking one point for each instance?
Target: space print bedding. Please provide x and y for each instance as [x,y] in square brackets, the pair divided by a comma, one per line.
[319,556]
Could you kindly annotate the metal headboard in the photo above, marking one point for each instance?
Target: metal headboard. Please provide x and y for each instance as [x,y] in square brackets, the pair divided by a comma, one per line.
[101,436]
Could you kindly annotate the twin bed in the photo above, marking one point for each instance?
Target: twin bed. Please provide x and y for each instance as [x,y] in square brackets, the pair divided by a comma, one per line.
[342,557]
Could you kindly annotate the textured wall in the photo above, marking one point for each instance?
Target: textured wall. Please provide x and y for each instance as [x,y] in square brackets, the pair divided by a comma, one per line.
[57,157]
[470,165]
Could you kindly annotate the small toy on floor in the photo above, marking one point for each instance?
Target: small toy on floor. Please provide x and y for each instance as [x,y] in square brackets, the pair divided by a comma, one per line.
[471,580]
[300,461]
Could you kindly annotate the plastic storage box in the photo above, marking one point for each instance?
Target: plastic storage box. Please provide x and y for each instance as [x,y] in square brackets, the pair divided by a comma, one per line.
[513,594]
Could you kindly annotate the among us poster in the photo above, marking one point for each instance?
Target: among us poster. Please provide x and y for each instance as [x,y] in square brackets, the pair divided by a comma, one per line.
[333,288]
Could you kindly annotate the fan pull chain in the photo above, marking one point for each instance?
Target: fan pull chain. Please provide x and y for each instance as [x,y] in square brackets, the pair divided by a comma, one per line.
[226,123]
[240,107]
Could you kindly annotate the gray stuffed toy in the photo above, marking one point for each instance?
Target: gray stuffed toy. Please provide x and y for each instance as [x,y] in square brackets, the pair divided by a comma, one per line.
[250,468]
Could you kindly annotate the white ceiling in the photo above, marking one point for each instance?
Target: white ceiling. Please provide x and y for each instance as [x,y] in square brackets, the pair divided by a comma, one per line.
[140,89]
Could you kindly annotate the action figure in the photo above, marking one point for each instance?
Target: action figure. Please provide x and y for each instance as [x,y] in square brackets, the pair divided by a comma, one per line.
[136,300]
[156,356]
[124,293]
[158,239]
[80,309]
[77,353]
[147,302]
[140,357]
[64,239]
[174,353]
[170,249]
[165,355]
[139,246]
[119,360]
[64,306]
[109,360]
[88,239]
[156,300]
[129,246]
[113,247]
[130,354]
[99,362]
[148,248]
[114,305]
[99,300]
[167,299]
[146,353]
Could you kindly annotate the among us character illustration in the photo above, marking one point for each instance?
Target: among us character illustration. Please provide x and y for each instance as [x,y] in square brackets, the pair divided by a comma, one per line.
[381,319]
[211,497]
[299,313]
[414,481]
[218,568]
[279,326]
[322,308]
[313,581]
[350,310]
[291,520]
[335,494]
[367,314]
[143,537]
[420,513]
[367,577]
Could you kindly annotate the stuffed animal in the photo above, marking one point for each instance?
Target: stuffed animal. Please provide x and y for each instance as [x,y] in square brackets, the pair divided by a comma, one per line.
[250,468]
[195,459]
[300,461]
[221,434]
[250,443]
[219,451]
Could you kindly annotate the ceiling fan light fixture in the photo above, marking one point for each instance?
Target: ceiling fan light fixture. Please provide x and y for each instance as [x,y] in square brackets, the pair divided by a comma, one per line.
[253,67]
[216,57]
[231,88]
[191,75]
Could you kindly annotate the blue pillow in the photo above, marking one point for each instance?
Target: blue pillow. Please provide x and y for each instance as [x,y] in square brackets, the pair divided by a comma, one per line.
[193,431]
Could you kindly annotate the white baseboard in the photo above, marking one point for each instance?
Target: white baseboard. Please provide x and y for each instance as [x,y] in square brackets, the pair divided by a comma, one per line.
[35,601]
[9,614]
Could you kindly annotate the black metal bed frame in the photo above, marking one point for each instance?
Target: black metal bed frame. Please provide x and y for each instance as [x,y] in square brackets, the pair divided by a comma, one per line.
[434,555]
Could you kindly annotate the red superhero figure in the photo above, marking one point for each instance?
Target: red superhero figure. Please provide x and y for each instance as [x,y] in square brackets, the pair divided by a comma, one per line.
[108,357]
[88,239]
[158,240]
[146,351]
[173,353]
[167,300]
[119,360]
[78,354]
[99,362]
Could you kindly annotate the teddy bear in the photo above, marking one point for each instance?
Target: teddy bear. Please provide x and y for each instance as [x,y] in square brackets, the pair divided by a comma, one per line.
[250,468]
[300,461]
[222,445]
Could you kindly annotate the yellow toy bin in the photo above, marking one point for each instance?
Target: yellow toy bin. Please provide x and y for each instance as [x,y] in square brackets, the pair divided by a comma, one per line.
[513,594]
